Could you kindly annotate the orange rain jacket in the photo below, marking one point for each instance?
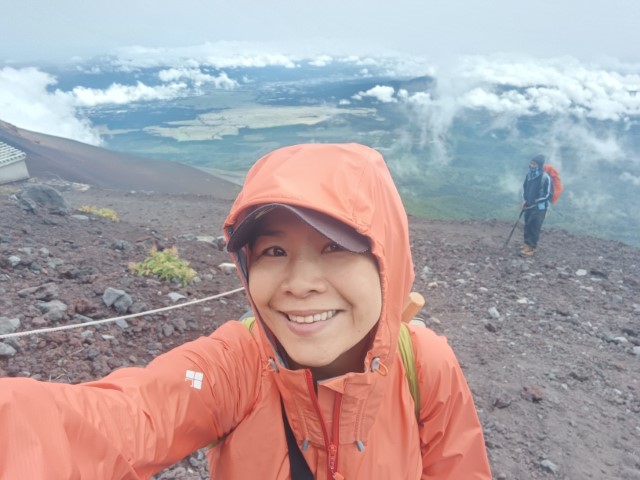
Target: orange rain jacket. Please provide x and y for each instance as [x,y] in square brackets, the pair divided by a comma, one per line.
[227,388]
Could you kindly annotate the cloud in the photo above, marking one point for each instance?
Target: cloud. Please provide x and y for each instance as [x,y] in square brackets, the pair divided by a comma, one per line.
[27,102]
[632,179]
[221,55]
[511,184]
[383,94]
[594,203]
[551,87]
[118,94]
[178,82]
[321,61]
[583,98]
[586,105]
[198,78]
[29,99]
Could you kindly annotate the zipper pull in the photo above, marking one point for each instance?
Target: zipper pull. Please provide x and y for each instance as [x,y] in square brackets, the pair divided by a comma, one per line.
[333,453]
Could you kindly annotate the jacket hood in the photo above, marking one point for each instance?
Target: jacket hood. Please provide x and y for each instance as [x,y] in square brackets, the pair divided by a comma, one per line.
[539,159]
[351,183]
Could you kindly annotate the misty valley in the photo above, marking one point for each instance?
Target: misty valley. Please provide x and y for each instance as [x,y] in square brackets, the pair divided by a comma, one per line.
[456,153]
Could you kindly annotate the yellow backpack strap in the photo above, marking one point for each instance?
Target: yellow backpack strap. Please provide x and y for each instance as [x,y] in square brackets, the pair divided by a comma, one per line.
[248,322]
[405,347]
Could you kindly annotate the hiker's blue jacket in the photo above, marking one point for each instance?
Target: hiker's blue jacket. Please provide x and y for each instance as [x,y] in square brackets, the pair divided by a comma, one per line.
[537,189]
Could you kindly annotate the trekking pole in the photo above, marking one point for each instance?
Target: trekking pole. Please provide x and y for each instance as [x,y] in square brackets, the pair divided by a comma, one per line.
[412,306]
[514,228]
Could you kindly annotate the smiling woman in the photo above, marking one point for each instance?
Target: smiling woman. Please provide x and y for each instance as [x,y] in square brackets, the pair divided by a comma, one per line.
[316,389]
[302,283]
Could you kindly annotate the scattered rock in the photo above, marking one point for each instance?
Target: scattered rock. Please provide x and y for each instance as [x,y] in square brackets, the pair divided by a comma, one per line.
[532,393]
[36,197]
[120,300]
[549,466]
[7,350]
[176,297]
[9,325]
[227,267]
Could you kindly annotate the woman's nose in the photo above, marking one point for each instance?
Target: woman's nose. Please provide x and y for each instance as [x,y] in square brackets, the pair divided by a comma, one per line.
[304,276]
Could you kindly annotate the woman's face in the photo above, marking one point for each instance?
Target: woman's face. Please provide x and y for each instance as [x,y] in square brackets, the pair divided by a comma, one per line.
[319,300]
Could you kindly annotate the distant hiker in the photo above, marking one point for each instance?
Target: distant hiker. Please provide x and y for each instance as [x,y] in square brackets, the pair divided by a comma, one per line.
[537,191]
[319,385]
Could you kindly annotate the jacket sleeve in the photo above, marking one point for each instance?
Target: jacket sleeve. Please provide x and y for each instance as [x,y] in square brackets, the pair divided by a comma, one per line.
[451,436]
[135,421]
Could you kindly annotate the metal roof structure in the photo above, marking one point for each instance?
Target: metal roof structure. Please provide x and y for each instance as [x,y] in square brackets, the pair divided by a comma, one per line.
[8,154]
[12,164]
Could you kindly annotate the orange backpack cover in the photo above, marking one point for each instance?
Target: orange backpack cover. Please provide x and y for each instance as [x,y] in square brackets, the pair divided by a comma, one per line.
[555,179]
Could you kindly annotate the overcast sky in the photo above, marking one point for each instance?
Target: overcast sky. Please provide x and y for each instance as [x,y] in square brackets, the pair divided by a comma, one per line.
[586,29]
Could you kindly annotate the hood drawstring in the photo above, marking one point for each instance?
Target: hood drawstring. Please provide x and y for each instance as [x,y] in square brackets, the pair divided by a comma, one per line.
[379,367]
[272,366]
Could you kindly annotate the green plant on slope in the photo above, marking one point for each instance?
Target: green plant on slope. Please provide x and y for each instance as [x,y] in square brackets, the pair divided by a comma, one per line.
[166,265]
[100,212]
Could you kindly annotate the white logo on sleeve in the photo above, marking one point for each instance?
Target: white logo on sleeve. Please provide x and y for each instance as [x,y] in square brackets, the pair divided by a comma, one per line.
[195,379]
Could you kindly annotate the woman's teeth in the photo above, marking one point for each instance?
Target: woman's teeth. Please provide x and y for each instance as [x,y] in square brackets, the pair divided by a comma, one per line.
[318,317]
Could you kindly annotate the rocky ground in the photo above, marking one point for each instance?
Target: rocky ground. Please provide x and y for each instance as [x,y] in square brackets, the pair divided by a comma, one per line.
[550,345]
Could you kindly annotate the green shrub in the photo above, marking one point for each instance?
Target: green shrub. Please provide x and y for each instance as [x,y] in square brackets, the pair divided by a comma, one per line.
[166,265]
[100,212]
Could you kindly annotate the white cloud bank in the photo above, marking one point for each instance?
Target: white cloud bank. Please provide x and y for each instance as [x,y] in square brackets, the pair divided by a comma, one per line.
[383,94]
[570,93]
[197,77]
[554,87]
[220,55]
[26,102]
[28,99]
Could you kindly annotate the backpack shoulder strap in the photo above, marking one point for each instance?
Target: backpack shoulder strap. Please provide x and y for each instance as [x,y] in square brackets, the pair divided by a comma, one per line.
[248,322]
[405,347]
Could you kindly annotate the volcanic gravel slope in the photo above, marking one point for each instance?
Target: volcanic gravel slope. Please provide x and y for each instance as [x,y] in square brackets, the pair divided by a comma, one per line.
[549,344]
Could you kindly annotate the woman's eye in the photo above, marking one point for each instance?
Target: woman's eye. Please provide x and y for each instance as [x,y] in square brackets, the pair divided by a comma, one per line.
[274,252]
[333,247]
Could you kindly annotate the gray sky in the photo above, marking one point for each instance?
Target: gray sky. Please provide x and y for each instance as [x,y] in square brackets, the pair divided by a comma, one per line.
[586,29]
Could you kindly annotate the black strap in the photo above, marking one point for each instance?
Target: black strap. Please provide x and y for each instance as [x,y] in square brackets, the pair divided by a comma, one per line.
[299,468]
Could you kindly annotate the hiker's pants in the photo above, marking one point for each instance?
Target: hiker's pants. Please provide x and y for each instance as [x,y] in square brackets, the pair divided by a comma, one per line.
[533,220]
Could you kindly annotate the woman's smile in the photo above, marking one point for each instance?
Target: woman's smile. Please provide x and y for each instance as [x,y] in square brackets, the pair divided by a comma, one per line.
[311,318]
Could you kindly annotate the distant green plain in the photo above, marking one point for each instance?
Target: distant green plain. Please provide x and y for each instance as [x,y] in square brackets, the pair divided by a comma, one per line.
[479,178]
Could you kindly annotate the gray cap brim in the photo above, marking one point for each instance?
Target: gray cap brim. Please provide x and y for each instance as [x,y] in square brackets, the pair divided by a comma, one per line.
[331,228]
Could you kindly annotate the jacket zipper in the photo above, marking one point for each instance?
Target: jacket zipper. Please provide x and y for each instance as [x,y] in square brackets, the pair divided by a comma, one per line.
[331,443]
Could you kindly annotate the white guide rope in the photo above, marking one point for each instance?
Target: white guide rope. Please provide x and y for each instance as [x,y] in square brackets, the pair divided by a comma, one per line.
[124,317]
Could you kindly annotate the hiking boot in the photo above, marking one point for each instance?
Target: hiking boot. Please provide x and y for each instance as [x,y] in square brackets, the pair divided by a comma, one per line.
[527,251]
